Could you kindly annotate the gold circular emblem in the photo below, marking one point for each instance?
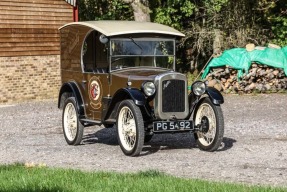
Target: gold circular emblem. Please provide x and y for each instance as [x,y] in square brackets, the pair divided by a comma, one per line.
[95,92]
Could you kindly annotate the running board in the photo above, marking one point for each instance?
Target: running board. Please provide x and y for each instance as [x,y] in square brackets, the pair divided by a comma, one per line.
[89,122]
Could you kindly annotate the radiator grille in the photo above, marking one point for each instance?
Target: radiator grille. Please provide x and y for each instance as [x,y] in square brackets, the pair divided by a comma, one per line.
[173,96]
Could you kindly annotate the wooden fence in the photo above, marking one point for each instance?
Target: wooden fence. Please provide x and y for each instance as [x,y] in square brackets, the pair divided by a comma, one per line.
[30,27]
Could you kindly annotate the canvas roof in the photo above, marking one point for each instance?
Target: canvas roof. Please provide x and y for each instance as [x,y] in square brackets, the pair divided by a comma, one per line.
[112,28]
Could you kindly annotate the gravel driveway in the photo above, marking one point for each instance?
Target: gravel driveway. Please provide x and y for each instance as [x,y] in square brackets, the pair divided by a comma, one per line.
[254,147]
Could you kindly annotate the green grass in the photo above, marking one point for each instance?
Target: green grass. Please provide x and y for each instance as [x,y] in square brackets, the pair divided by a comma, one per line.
[23,179]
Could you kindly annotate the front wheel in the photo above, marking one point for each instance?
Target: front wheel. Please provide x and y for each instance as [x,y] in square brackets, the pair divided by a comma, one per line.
[73,129]
[130,128]
[211,117]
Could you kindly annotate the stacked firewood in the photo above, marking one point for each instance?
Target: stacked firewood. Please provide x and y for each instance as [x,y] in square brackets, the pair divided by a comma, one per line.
[260,78]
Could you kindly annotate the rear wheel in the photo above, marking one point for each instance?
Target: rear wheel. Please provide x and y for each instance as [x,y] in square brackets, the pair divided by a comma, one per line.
[211,117]
[130,128]
[72,127]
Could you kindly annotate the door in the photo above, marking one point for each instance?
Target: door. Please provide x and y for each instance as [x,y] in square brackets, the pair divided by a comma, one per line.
[95,75]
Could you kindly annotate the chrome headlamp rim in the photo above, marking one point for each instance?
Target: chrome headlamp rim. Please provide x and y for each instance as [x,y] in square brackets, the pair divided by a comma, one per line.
[148,87]
[198,88]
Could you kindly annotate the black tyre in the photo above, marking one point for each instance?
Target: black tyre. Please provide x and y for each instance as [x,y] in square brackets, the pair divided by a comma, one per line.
[130,128]
[72,127]
[212,115]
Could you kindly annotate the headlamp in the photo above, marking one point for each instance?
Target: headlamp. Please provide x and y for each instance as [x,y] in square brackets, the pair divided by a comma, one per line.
[198,88]
[148,88]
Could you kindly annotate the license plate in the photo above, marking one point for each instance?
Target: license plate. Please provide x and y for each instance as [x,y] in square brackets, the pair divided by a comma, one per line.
[162,126]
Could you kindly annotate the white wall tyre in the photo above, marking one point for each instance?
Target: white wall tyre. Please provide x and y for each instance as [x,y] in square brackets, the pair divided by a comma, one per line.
[72,127]
[207,111]
[130,128]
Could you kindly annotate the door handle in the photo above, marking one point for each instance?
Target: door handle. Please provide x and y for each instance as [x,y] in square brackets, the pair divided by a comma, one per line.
[84,83]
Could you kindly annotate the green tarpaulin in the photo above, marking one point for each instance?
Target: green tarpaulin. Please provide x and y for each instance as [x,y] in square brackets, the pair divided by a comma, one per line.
[241,59]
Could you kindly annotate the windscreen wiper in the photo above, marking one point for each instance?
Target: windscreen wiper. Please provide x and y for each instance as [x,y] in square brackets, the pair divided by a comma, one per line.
[137,45]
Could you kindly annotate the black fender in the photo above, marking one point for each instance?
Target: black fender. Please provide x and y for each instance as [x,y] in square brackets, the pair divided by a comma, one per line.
[72,88]
[214,95]
[125,93]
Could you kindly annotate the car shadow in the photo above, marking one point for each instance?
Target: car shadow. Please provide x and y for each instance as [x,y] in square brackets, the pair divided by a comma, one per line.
[227,143]
[180,141]
[106,136]
[158,142]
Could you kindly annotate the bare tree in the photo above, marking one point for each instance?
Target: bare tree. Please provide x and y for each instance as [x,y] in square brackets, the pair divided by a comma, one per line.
[140,8]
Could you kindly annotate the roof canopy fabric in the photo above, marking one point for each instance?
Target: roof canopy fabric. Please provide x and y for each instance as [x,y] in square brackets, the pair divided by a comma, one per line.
[72,2]
[113,28]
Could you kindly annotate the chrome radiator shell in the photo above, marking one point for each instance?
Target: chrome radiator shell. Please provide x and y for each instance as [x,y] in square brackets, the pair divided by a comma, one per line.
[171,100]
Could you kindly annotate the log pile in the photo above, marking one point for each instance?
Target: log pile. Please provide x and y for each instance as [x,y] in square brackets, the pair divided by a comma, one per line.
[260,79]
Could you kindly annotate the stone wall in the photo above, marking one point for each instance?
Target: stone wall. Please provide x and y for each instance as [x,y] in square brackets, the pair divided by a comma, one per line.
[26,78]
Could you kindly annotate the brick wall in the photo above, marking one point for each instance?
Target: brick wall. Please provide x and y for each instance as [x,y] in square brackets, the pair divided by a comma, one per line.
[29,78]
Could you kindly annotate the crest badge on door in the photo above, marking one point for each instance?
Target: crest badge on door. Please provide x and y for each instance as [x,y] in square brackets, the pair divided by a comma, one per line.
[95,92]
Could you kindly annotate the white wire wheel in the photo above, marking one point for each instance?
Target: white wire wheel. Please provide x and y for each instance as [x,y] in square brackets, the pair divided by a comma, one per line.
[72,127]
[130,128]
[212,116]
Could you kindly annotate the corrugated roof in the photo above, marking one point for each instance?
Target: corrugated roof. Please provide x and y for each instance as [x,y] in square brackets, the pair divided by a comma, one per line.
[72,2]
[112,28]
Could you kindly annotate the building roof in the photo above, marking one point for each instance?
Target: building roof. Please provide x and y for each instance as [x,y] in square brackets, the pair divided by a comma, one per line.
[112,28]
[72,2]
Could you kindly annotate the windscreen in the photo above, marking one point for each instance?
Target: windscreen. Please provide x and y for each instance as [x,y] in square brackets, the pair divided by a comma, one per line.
[142,53]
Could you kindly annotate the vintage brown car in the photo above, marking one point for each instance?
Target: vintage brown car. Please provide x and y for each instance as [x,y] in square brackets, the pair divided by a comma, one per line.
[122,73]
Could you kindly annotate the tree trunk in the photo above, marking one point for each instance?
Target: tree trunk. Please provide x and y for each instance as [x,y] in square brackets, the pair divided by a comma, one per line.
[217,42]
[141,9]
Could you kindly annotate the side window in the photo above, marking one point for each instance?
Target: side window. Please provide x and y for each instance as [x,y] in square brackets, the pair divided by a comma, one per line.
[89,52]
[102,56]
